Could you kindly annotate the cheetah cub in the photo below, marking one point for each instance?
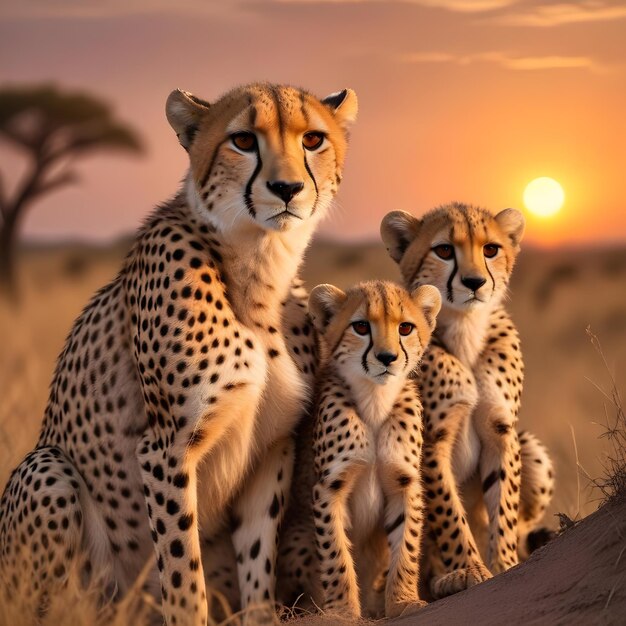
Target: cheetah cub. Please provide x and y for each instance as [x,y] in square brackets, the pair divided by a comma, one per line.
[368,440]
[486,486]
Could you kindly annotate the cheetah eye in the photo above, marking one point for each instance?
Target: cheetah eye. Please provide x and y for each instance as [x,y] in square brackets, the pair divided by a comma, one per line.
[312,140]
[361,328]
[406,328]
[444,251]
[490,250]
[244,141]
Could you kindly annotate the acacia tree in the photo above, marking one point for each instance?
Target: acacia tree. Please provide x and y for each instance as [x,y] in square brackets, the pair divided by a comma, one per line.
[52,129]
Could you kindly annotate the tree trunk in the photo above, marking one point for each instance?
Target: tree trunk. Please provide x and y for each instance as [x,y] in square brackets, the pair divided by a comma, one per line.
[12,212]
[8,236]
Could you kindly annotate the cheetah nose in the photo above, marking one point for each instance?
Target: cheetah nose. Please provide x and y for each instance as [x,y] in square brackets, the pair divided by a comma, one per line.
[285,191]
[386,358]
[473,283]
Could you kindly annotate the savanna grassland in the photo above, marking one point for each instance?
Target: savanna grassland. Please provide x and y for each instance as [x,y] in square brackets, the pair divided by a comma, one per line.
[555,296]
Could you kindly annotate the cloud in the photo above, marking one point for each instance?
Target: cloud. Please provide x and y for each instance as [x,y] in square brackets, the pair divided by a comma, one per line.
[503,60]
[466,6]
[565,13]
[460,6]
[114,8]
[104,9]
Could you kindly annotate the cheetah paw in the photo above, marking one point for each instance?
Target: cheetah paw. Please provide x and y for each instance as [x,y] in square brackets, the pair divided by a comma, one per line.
[458,580]
[497,567]
[403,607]
[395,609]
[343,610]
[260,615]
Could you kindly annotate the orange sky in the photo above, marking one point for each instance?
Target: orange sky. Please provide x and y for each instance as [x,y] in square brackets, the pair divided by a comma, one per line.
[459,99]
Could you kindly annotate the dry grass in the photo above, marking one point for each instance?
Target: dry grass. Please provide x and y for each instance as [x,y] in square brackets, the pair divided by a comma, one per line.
[20,388]
[612,482]
[551,313]
[75,605]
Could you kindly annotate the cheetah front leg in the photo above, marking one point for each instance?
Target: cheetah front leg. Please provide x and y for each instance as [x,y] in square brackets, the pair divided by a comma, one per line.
[332,518]
[338,467]
[446,514]
[500,473]
[400,450]
[170,489]
[258,514]
[196,462]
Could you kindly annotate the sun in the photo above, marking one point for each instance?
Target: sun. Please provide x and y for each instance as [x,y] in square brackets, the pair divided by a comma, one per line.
[543,196]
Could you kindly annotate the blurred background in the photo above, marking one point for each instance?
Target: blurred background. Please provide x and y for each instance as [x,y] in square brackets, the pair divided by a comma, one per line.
[468,100]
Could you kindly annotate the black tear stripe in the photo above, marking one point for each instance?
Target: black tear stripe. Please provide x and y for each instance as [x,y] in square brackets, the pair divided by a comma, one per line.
[364,359]
[207,174]
[247,198]
[493,282]
[450,279]
[406,356]
[310,173]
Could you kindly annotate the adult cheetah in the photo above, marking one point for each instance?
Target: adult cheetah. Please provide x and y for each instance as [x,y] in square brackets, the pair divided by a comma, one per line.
[173,401]
[471,380]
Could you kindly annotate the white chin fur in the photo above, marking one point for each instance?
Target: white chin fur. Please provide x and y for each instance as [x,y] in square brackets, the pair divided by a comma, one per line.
[281,222]
[381,378]
[463,301]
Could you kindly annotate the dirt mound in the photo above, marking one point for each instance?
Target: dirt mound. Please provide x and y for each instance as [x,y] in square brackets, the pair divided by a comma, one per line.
[579,578]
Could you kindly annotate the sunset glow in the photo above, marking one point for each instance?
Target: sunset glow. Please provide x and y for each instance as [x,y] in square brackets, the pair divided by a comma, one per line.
[544,197]
[465,100]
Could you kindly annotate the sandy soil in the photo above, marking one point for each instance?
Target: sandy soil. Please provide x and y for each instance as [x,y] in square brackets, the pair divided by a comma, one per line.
[579,578]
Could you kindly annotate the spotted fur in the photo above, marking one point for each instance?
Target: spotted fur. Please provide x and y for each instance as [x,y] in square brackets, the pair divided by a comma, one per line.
[168,429]
[471,380]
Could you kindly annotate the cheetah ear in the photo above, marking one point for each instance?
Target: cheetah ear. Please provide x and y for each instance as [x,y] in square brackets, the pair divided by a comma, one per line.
[428,298]
[184,112]
[324,302]
[398,230]
[344,105]
[512,222]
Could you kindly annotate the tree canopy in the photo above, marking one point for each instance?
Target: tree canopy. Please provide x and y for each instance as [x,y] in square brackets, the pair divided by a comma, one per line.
[52,128]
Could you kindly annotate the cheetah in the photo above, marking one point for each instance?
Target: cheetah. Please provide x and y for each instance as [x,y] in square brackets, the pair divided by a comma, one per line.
[471,383]
[171,409]
[367,439]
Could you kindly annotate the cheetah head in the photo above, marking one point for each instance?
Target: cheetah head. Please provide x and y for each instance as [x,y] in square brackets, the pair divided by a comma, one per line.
[465,251]
[375,330]
[263,156]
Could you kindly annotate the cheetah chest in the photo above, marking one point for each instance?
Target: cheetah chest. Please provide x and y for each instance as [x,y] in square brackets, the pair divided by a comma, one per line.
[367,499]
[367,502]
[285,394]
[466,452]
